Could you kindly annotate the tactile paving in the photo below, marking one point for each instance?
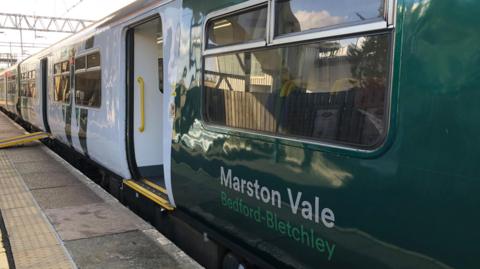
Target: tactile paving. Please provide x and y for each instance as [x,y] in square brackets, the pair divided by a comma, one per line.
[33,242]
[48,257]
[22,199]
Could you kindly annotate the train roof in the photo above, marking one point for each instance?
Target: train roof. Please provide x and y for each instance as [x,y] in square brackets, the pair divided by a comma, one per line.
[114,18]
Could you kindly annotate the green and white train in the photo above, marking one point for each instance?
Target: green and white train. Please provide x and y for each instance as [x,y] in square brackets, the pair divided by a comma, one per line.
[281,133]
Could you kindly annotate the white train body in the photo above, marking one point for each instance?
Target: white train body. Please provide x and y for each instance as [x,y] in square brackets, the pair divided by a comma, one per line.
[100,132]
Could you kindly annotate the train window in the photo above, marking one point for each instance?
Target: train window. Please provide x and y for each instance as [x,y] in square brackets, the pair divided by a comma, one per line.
[57,69]
[239,28]
[88,81]
[11,85]
[27,84]
[32,86]
[2,89]
[62,82]
[24,84]
[303,15]
[80,63]
[93,60]
[333,91]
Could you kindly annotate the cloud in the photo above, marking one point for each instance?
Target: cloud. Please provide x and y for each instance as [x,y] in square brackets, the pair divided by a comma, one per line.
[316,19]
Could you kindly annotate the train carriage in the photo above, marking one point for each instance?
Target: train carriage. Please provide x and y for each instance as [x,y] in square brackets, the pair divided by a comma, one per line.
[3,89]
[283,133]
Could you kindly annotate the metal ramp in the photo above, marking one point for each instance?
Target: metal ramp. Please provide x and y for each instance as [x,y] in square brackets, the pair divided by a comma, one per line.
[151,191]
[22,139]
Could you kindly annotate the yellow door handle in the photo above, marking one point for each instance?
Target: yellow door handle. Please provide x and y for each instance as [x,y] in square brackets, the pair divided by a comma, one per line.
[141,85]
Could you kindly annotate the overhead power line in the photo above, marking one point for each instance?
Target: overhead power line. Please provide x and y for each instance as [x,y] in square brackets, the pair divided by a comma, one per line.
[24,44]
[74,6]
[42,23]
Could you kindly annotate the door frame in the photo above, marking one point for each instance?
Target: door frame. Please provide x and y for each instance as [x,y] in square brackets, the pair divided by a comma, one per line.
[130,100]
[44,78]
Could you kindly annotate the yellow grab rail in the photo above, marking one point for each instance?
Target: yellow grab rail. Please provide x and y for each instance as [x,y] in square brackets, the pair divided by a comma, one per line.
[141,84]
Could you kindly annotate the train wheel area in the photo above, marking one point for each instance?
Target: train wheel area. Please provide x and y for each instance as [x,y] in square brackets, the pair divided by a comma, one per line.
[56,217]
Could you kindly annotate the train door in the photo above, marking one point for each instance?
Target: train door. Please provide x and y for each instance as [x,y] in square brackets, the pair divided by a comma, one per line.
[44,93]
[146,101]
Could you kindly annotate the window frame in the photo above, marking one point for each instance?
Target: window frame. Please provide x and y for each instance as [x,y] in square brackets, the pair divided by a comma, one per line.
[339,32]
[85,54]
[235,9]
[334,31]
[388,22]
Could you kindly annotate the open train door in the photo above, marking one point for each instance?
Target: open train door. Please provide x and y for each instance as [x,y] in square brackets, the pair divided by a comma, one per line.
[148,125]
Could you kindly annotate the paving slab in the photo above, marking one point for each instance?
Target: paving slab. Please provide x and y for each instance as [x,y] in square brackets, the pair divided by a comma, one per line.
[120,251]
[39,167]
[93,220]
[26,155]
[49,180]
[75,195]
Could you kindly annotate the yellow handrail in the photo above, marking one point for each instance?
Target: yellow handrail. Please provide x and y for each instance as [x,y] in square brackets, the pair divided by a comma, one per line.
[142,104]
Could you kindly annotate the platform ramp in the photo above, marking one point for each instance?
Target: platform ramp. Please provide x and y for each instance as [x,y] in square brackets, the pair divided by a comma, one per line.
[22,139]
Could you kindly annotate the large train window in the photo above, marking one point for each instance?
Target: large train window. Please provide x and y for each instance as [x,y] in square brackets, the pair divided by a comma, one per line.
[61,82]
[88,80]
[333,89]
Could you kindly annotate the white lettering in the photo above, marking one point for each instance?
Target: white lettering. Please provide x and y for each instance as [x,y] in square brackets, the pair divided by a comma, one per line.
[328,218]
[236,184]
[307,211]
[294,205]
[276,197]
[226,180]
[265,194]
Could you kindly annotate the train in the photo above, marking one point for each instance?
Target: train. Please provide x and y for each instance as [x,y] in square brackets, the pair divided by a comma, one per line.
[282,133]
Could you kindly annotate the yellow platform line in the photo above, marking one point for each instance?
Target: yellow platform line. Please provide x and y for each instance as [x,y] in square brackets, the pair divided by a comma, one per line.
[19,137]
[3,255]
[148,194]
[22,140]
[155,186]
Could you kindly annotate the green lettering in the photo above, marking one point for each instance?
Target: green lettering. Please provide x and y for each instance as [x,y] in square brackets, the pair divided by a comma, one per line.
[223,198]
[297,232]
[330,250]
[289,229]
[270,222]
[320,244]
[257,214]
[281,227]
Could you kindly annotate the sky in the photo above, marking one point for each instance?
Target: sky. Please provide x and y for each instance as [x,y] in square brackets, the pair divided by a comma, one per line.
[75,9]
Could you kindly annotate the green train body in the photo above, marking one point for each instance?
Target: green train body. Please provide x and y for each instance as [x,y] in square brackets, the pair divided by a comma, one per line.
[326,141]
[409,202]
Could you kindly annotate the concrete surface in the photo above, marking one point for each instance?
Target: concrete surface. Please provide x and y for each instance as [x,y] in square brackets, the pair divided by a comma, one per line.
[55,217]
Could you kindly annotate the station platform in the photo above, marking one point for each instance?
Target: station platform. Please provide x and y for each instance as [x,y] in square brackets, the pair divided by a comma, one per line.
[53,216]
